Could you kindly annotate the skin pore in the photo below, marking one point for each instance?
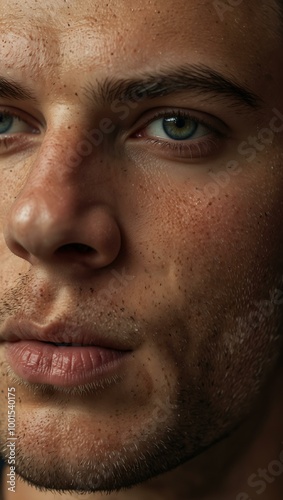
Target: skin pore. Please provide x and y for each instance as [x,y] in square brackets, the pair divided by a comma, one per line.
[197,407]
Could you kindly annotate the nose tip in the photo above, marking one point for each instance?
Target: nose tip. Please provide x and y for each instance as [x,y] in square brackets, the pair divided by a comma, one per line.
[53,231]
[26,231]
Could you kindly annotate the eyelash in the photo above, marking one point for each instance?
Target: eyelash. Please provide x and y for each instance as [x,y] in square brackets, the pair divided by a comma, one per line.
[192,148]
[6,139]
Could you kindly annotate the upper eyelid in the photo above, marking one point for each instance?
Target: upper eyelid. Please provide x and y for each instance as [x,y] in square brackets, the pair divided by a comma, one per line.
[22,115]
[194,114]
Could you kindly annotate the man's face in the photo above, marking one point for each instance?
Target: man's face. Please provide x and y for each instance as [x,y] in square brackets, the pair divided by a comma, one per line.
[178,199]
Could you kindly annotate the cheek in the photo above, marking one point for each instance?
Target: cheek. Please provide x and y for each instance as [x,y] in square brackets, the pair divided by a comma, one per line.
[221,255]
[209,258]
[232,236]
[226,255]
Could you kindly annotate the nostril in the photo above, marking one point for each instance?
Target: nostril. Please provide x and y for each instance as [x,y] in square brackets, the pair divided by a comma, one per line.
[75,247]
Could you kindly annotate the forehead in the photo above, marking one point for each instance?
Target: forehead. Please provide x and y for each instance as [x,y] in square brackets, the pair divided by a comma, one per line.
[91,35]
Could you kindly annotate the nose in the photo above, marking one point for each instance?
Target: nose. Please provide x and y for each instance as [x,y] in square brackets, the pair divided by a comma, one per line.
[59,222]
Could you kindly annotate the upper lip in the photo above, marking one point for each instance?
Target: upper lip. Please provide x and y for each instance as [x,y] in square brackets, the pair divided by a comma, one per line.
[60,333]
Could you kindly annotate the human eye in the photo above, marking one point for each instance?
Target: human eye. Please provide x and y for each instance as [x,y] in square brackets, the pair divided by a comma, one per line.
[14,128]
[182,134]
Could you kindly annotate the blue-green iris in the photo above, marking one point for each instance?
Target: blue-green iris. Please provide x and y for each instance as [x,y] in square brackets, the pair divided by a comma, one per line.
[179,128]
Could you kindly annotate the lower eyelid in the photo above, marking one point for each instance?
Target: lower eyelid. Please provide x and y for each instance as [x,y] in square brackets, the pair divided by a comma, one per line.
[17,143]
[194,150]
[210,135]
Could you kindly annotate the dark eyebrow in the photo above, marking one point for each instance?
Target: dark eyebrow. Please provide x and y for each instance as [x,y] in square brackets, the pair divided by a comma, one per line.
[199,79]
[195,78]
[9,89]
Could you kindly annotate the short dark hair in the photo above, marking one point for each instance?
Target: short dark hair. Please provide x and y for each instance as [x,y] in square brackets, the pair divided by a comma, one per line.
[280,5]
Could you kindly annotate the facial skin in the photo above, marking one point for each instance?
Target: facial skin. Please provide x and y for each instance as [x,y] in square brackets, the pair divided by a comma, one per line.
[201,388]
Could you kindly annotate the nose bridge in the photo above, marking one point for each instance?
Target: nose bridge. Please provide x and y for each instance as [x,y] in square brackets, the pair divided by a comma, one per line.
[68,156]
[54,161]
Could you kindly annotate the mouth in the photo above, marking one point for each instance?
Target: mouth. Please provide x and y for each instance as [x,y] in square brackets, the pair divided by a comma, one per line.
[63,355]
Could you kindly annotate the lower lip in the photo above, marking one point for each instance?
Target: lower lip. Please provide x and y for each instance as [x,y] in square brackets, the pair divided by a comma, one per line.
[41,363]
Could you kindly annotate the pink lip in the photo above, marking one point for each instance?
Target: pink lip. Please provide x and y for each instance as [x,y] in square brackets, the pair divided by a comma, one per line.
[38,362]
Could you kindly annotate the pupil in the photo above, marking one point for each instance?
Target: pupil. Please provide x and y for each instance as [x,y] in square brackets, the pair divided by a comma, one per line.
[179,128]
[5,123]
[180,122]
